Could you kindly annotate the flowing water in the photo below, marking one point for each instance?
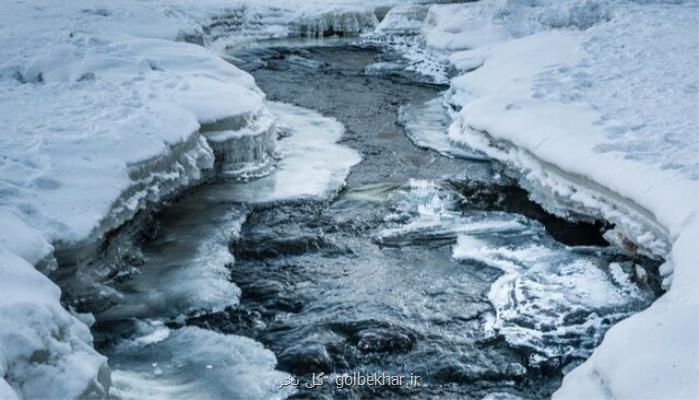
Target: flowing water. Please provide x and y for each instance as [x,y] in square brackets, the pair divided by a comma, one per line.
[429,263]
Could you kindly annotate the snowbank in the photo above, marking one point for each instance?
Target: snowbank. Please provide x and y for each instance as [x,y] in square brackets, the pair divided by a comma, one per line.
[45,351]
[594,104]
[102,111]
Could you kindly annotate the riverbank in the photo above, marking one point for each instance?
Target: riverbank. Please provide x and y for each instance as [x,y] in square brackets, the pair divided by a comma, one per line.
[594,107]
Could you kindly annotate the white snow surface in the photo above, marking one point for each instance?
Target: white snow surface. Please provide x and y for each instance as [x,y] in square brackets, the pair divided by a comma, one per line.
[595,104]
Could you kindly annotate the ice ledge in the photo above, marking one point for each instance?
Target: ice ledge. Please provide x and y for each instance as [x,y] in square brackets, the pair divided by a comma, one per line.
[182,165]
[573,196]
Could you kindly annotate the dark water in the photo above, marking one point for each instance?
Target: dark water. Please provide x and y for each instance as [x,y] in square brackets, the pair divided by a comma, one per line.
[368,281]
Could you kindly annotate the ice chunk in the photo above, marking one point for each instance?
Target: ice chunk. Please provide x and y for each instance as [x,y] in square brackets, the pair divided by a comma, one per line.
[427,126]
[404,19]
[244,147]
[187,268]
[341,21]
[312,164]
[426,214]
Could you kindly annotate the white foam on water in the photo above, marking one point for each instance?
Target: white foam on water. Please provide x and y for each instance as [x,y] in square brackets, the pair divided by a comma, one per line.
[193,363]
[313,165]
[553,300]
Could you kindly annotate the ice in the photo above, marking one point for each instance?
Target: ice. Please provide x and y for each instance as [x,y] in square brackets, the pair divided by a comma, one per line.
[652,354]
[312,164]
[457,27]
[553,301]
[340,22]
[245,148]
[427,124]
[190,363]
[102,109]
[403,20]
[186,270]
[426,212]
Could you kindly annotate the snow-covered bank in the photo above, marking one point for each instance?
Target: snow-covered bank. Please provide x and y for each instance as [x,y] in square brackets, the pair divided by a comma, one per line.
[102,111]
[108,110]
[595,106]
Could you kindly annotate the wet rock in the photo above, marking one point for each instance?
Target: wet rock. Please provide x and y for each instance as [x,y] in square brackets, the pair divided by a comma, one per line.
[450,369]
[373,336]
[238,321]
[260,248]
[262,289]
[305,358]
[383,340]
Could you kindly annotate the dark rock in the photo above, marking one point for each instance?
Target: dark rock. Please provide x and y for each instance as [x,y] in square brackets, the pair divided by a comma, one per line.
[262,289]
[306,358]
[383,340]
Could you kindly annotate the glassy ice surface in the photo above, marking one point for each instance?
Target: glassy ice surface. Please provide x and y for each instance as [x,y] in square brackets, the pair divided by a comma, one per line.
[552,300]
[186,269]
[426,125]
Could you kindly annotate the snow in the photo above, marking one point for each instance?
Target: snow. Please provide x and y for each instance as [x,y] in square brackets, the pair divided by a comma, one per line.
[102,110]
[592,102]
[46,352]
[652,354]
[108,110]
[594,106]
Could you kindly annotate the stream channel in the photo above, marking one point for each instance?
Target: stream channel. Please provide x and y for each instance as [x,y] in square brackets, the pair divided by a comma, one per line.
[363,252]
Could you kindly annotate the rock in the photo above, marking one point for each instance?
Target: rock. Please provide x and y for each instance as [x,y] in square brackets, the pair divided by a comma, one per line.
[378,340]
[306,358]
